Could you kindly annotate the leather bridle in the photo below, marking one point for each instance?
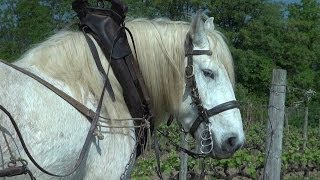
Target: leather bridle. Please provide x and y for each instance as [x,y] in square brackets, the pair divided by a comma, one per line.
[203,113]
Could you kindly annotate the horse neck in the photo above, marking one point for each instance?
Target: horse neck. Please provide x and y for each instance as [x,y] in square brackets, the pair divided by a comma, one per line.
[160,52]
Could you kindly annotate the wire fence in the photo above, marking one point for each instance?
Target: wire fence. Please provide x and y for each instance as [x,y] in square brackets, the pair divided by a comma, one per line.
[300,144]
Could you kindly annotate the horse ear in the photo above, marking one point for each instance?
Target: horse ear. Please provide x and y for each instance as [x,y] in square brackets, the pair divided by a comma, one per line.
[209,25]
[197,30]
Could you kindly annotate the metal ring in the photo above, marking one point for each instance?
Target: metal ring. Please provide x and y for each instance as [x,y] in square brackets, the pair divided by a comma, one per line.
[100,3]
[205,152]
[12,164]
[23,162]
[189,75]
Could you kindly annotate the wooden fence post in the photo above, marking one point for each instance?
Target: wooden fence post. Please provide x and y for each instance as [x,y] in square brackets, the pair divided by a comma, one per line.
[287,114]
[305,126]
[308,94]
[183,158]
[276,110]
[319,124]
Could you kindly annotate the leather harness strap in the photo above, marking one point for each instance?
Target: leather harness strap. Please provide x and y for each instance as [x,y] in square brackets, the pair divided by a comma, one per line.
[88,113]
[108,29]
[97,60]
[93,118]
[223,107]
[16,171]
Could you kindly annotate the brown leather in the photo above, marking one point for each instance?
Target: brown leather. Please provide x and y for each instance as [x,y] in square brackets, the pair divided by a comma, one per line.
[97,61]
[93,118]
[13,171]
[104,26]
[107,27]
[88,113]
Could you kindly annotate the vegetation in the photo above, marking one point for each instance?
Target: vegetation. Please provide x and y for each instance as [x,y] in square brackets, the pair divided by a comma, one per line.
[261,34]
[247,162]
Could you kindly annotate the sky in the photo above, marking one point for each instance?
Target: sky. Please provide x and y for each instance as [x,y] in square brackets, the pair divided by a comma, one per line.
[287,1]
[290,1]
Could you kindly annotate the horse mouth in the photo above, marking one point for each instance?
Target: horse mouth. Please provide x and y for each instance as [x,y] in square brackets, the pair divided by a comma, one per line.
[221,156]
[215,151]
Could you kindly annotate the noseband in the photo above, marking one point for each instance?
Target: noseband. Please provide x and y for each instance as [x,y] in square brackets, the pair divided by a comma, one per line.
[203,113]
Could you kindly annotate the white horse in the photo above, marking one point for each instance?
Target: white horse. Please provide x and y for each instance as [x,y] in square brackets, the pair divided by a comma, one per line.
[54,131]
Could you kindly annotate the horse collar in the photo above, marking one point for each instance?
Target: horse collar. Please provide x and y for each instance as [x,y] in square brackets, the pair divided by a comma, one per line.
[107,27]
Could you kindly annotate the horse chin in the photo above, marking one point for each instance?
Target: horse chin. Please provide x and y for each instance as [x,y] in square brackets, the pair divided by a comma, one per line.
[216,154]
[219,156]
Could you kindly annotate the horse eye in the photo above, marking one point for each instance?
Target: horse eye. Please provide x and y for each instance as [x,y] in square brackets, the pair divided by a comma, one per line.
[208,73]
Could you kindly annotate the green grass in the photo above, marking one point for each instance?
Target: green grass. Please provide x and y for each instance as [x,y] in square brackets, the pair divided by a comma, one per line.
[251,158]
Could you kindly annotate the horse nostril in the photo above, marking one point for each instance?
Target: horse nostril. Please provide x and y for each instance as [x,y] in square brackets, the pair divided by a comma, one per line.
[232,141]
[231,144]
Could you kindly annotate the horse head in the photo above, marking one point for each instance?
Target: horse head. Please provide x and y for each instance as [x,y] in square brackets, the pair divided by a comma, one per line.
[209,111]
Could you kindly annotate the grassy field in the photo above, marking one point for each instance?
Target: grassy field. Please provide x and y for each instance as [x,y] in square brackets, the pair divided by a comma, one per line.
[247,163]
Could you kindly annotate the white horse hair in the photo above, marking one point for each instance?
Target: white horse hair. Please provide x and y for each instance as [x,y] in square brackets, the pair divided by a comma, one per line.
[55,132]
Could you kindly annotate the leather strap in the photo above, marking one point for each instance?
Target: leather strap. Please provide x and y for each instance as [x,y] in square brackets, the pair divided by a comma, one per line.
[16,171]
[97,60]
[195,125]
[13,171]
[92,117]
[223,107]
[108,29]
[211,112]
[179,148]
[83,150]
[88,113]
[199,52]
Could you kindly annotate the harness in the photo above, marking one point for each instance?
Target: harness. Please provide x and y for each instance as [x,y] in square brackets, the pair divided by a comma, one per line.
[107,27]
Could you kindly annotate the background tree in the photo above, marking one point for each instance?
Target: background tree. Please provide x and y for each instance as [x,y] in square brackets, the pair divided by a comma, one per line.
[261,34]
[301,44]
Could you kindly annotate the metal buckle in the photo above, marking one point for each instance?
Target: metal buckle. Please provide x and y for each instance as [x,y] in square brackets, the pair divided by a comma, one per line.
[195,93]
[189,71]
